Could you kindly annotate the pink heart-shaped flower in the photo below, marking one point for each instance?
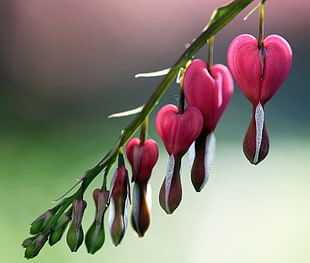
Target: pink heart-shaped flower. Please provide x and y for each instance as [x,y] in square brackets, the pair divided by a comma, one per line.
[259,72]
[142,158]
[178,131]
[210,93]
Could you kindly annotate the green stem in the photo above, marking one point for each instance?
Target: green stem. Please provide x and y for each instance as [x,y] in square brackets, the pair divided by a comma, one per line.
[210,54]
[143,132]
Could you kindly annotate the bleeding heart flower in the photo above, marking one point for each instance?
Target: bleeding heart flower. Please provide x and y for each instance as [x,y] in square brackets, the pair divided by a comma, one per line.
[178,132]
[142,157]
[209,91]
[259,72]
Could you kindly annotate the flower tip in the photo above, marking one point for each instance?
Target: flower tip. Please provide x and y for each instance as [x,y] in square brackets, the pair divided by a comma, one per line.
[256,141]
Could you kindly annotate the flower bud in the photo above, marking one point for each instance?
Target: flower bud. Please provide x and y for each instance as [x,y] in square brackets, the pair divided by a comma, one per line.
[119,197]
[95,236]
[33,245]
[75,233]
[142,158]
[58,230]
[38,225]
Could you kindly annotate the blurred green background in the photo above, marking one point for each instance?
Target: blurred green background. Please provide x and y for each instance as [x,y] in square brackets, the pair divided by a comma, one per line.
[66,65]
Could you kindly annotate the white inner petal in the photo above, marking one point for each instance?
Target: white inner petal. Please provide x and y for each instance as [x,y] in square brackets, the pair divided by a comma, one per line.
[135,205]
[169,174]
[259,120]
[209,156]
[111,214]
[191,155]
[125,214]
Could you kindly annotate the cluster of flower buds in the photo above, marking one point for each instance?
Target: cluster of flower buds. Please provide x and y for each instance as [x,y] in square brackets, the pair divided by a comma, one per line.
[51,226]
[259,69]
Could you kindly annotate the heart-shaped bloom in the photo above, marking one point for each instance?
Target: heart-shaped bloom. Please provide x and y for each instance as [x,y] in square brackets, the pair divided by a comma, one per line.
[142,157]
[178,132]
[119,198]
[209,91]
[259,72]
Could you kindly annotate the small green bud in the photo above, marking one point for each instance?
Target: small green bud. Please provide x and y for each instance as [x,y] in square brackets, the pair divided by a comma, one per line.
[94,238]
[75,233]
[34,245]
[75,237]
[58,230]
[38,225]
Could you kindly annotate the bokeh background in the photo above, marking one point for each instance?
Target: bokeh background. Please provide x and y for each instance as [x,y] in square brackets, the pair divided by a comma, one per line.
[66,65]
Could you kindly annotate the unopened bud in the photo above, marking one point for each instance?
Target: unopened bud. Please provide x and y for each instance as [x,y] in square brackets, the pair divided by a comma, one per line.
[58,230]
[95,236]
[75,233]
[118,205]
[38,225]
[34,245]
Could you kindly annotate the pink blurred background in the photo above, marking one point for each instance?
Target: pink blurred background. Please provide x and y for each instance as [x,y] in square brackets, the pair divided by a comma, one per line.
[70,51]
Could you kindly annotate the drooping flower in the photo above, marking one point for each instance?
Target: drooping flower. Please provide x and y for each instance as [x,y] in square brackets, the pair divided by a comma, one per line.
[259,72]
[178,132]
[119,198]
[142,157]
[210,91]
